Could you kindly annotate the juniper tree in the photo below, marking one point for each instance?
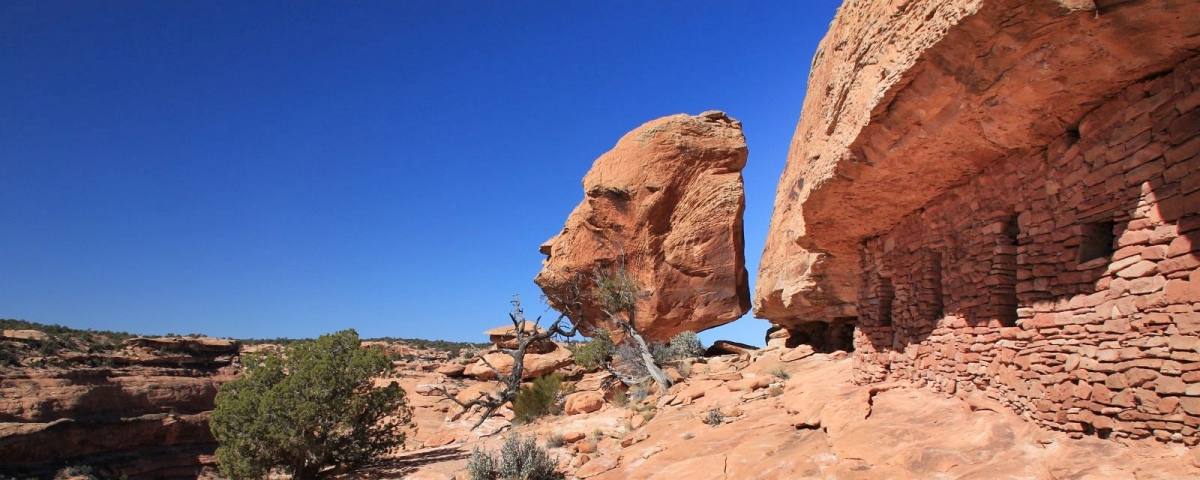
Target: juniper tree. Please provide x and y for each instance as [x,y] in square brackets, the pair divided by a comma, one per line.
[312,406]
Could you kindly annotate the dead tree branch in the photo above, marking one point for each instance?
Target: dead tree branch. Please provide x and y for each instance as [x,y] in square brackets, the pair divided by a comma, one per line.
[489,402]
[619,296]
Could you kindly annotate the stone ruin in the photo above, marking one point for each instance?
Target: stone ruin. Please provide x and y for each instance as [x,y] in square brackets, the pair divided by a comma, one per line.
[1002,198]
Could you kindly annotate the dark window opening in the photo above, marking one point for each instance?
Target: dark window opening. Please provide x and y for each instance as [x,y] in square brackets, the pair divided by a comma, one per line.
[1089,429]
[1012,229]
[887,296]
[1004,274]
[1071,136]
[830,337]
[841,333]
[932,300]
[1097,241]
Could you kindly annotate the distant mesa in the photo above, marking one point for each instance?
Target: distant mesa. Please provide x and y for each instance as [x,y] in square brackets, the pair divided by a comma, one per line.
[26,335]
[665,203]
[189,344]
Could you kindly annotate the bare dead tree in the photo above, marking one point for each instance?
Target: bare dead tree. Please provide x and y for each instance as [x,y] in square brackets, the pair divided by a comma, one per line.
[490,402]
[618,296]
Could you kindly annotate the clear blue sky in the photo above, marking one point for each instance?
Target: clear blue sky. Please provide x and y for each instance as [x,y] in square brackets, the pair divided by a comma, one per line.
[267,169]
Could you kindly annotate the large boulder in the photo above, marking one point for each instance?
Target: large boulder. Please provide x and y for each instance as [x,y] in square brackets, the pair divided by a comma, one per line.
[535,364]
[666,203]
[506,337]
[583,402]
[907,99]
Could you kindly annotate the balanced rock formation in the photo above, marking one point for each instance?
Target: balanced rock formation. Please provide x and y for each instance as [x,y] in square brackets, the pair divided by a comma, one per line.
[1002,198]
[666,204]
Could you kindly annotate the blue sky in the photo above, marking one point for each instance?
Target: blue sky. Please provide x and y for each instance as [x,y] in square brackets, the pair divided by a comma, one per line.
[271,169]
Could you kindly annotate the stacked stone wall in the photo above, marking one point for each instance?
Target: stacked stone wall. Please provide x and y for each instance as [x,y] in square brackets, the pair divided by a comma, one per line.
[1063,283]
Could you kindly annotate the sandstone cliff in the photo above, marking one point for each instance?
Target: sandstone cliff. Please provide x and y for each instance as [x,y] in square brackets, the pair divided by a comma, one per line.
[666,202]
[908,97]
[140,410]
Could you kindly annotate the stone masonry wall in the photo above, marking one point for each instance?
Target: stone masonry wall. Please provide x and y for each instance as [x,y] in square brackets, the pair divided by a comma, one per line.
[1063,284]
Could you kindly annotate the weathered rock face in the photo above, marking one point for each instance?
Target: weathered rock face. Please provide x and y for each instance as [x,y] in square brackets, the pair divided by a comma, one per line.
[667,203]
[1002,198]
[784,413]
[144,416]
[534,364]
[908,98]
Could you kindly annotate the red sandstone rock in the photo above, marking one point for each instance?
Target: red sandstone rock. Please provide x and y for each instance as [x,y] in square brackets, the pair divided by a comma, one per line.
[822,425]
[452,369]
[727,347]
[960,178]
[583,402]
[750,384]
[535,364]
[666,202]
[797,353]
[506,337]
[146,408]
[199,345]
[909,98]
[34,335]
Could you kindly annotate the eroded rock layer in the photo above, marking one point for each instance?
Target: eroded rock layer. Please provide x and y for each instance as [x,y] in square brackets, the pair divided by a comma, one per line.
[666,203]
[141,411]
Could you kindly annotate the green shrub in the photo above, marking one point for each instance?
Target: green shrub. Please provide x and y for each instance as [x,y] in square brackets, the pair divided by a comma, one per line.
[661,352]
[555,440]
[312,406]
[453,349]
[519,459]
[85,471]
[482,465]
[620,398]
[59,340]
[538,399]
[616,290]
[685,345]
[639,392]
[780,372]
[590,355]
[714,417]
